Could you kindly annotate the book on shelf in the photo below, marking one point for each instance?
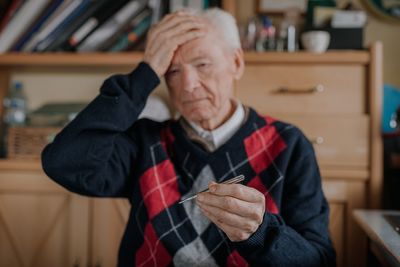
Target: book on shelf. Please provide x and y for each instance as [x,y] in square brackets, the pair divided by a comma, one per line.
[63,11]
[20,21]
[349,19]
[175,5]
[81,16]
[215,3]
[10,11]
[63,26]
[27,35]
[157,7]
[94,22]
[55,114]
[82,25]
[139,27]
[126,28]
[116,22]
[4,4]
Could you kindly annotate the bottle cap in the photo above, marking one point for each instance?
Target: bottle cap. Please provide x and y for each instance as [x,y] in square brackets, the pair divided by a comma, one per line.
[17,85]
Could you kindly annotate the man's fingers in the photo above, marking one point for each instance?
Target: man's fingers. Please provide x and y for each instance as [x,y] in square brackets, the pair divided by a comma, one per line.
[185,26]
[165,38]
[173,15]
[239,191]
[187,36]
[168,47]
[231,219]
[232,205]
[233,233]
[174,22]
[169,35]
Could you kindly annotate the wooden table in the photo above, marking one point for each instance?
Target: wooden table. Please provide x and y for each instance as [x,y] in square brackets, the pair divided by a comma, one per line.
[384,241]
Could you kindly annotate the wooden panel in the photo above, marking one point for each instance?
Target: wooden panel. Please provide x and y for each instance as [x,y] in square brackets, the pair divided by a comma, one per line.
[339,141]
[42,229]
[345,174]
[20,165]
[350,196]
[27,182]
[41,224]
[110,217]
[335,191]
[336,227]
[343,88]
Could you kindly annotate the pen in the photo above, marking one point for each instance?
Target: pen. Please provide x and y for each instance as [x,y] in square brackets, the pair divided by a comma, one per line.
[234,180]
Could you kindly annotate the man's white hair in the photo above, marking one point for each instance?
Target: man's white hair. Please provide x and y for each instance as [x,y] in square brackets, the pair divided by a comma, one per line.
[224,23]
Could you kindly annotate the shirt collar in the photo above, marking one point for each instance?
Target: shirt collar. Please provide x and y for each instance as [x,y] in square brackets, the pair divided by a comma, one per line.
[220,135]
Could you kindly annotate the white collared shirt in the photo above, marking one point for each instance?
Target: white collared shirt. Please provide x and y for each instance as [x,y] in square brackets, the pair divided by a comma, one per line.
[220,135]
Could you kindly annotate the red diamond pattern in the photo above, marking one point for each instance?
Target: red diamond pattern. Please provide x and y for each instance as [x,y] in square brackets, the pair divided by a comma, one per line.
[152,252]
[161,181]
[260,157]
[235,260]
[270,205]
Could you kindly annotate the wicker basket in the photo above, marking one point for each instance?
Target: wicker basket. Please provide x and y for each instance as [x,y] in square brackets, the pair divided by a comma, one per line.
[28,142]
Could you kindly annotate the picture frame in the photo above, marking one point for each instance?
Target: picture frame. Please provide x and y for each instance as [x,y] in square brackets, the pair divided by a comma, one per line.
[280,6]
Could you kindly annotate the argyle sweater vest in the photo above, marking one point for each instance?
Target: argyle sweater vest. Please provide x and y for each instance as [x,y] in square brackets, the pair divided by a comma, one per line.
[106,151]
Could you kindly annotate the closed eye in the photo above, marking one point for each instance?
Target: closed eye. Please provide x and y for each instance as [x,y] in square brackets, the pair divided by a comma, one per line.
[202,65]
[172,71]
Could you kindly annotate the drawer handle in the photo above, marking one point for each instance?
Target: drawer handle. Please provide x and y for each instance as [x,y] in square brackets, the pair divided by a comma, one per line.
[319,88]
[317,140]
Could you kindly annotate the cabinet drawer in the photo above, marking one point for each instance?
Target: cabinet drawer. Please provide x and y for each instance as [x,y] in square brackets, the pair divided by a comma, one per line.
[304,88]
[339,141]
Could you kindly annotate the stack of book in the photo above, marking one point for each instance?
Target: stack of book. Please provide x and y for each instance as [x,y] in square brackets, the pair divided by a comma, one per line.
[82,25]
[55,114]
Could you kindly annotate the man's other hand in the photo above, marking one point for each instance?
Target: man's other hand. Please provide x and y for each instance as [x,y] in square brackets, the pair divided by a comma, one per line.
[165,37]
[236,209]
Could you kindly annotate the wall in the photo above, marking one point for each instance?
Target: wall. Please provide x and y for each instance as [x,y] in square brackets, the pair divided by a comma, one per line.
[376,29]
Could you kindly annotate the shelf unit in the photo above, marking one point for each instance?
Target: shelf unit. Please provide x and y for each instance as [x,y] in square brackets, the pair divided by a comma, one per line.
[84,233]
[129,59]
[12,62]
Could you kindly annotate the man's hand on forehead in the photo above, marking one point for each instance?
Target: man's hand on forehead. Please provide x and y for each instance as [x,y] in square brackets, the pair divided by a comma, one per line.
[164,38]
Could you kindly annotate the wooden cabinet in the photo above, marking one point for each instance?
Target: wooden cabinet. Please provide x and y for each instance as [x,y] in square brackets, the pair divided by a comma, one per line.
[109,217]
[304,88]
[335,98]
[42,224]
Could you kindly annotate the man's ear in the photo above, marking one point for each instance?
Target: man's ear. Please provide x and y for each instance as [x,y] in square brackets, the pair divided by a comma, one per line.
[238,63]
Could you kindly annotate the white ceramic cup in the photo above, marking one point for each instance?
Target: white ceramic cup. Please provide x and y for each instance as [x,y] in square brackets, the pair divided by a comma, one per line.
[315,41]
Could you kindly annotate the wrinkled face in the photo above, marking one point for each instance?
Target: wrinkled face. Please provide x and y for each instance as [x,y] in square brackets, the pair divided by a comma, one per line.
[201,77]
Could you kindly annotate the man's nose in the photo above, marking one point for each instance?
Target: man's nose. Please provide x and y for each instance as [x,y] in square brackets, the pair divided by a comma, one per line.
[189,80]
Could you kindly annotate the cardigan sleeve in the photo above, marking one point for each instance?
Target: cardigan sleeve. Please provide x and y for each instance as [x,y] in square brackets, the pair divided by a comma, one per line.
[299,235]
[93,154]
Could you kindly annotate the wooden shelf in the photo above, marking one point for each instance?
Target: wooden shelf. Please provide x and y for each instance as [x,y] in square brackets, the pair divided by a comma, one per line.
[70,59]
[20,165]
[128,59]
[334,56]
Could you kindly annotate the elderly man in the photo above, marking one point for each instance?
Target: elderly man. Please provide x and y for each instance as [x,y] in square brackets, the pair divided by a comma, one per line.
[278,216]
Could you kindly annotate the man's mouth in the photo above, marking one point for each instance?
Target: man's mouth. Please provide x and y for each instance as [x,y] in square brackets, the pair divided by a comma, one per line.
[191,101]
